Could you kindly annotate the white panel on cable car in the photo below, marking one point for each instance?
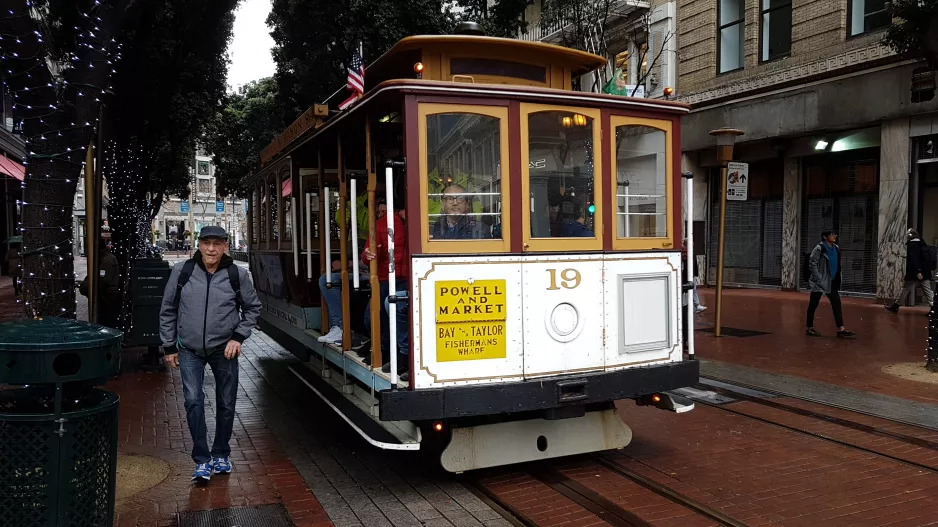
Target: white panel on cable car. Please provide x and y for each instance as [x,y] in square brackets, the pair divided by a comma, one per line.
[563,314]
[642,308]
[467,320]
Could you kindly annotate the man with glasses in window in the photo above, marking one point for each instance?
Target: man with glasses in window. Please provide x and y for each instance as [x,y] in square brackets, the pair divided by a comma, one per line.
[456,223]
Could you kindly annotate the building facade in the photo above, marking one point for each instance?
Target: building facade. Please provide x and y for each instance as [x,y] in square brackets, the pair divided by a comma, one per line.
[178,216]
[638,37]
[839,134]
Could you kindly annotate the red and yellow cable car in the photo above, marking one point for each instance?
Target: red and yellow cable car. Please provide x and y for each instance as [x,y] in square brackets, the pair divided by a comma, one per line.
[526,241]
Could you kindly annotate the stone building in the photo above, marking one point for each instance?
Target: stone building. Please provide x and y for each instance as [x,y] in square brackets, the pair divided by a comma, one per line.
[640,39]
[839,133]
[204,207]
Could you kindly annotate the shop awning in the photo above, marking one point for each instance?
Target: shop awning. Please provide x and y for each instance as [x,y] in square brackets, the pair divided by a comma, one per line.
[12,168]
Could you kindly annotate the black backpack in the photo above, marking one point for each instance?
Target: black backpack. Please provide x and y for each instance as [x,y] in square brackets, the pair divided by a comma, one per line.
[186,273]
[930,253]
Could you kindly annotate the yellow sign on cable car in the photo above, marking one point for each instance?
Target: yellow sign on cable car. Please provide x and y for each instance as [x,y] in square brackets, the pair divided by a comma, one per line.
[470,320]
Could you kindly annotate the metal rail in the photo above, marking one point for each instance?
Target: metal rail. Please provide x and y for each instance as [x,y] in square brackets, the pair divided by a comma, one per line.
[817,401]
[819,436]
[672,495]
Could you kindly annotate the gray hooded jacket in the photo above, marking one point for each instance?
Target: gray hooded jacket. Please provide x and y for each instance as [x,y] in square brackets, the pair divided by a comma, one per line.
[207,317]
[821,280]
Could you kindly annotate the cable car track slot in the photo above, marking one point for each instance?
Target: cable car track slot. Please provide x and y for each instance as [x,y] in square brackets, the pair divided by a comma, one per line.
[670,494]
[590,500]
[821,436]
[870,429]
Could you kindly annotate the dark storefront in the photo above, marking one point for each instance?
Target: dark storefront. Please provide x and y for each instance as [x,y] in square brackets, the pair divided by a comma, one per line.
[841,192]
[753,240]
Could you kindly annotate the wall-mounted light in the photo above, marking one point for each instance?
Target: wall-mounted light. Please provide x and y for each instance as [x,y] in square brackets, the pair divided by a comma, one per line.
[821,145]
[579,119]
[839,146]
[567,121]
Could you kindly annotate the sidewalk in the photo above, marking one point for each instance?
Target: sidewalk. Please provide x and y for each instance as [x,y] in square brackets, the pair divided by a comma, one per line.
[883,339]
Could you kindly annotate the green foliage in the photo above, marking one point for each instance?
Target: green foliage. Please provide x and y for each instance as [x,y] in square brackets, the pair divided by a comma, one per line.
[501,19]
[314,40]
[248,122]
[914,31]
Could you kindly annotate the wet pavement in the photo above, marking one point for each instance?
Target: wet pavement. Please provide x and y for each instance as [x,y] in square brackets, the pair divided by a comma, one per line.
[743,460]
[882,339]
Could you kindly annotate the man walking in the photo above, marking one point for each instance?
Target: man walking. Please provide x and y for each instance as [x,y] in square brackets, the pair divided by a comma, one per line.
[917,271]
[209,308]
[825,267]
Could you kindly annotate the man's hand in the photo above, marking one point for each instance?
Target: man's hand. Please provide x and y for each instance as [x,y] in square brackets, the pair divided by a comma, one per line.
[369,255]
[172,360]
[233,349]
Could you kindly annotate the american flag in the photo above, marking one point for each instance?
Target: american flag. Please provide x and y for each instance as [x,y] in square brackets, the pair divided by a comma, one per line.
[355,81]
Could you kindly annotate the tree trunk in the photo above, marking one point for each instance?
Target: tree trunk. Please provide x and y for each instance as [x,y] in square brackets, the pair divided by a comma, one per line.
[59,117]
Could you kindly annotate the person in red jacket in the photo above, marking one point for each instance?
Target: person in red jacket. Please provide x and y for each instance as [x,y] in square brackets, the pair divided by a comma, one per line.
[402,270]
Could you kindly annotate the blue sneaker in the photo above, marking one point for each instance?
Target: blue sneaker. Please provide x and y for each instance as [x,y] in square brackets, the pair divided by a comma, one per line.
[203,473]
[221,465]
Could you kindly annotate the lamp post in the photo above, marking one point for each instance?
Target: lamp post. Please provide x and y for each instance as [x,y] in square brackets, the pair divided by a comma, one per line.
[726,138]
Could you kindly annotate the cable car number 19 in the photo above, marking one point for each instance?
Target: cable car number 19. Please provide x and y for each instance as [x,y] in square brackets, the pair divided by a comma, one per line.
[569,279]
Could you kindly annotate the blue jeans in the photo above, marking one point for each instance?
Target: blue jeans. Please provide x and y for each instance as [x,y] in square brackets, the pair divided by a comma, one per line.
[333,299]
[403,321]
[192,368]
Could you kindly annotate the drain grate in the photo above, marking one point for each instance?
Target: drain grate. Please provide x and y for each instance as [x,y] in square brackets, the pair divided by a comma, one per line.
[735,332]
[263,515]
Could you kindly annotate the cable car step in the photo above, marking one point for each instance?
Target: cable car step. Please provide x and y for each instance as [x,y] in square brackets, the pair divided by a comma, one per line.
[366,426]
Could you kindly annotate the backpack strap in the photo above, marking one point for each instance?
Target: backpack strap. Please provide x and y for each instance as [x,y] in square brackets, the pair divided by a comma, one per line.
[182,279]
[234,276]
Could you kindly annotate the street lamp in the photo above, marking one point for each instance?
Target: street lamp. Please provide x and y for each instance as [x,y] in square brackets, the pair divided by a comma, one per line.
[726,138]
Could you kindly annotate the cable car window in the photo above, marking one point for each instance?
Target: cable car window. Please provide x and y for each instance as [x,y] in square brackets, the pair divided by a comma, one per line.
[273,197]
[262,217]
[560,172]
[286,191]
[464,194]
[641,182]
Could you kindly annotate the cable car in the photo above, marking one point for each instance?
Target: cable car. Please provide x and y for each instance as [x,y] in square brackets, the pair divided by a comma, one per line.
[526,241]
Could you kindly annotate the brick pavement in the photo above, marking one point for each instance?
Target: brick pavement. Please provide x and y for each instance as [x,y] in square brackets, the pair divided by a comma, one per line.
[763,474]
[882,339]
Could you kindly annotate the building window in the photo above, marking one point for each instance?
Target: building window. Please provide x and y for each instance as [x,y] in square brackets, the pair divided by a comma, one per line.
[203,168]
[776,29]
[205,186]
[731,38]
[868,15]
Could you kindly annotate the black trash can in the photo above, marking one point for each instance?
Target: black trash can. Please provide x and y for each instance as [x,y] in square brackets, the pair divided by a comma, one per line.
[58,434]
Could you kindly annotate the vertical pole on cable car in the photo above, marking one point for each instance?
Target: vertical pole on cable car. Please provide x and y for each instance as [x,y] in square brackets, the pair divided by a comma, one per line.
[392,279]
[325,233]
[374,304]
[309,234]
[343,247]
[296,229]
[328,251]
[354,202]
[691,308]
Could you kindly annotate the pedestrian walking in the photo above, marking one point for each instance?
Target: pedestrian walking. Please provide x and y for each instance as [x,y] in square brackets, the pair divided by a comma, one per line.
[825,267]
[204,320]
[917,271]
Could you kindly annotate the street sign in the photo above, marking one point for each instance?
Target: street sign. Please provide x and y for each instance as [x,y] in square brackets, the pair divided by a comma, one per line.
[184,206]
[737,181]
[219,206]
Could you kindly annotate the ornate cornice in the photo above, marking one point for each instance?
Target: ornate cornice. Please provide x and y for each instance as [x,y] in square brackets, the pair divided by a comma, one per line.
[839,63]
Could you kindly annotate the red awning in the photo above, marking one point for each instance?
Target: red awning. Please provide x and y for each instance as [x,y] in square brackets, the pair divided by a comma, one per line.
[12,168]
[286,188]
